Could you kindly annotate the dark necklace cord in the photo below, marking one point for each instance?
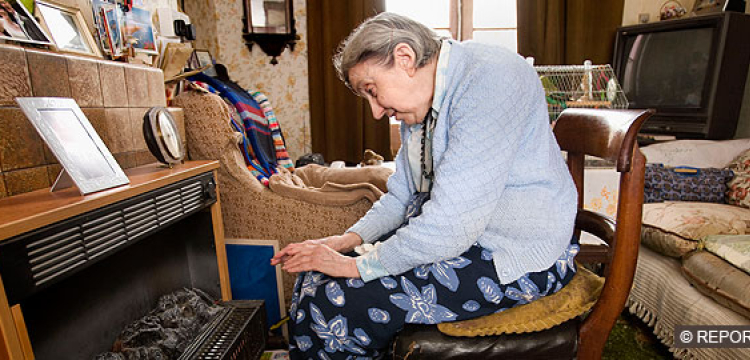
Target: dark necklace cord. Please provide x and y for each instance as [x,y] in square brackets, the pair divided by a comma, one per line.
[428,127]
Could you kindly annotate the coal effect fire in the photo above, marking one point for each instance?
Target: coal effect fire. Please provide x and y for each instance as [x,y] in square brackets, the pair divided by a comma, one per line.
[167,330]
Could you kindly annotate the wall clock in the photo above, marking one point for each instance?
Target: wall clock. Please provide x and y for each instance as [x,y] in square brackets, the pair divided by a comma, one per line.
[162,136]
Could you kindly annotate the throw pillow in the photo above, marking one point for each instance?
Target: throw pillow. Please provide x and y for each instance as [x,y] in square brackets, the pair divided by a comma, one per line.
[739,186]
[578,297]
[674,228]
[718,280]
[666,243]
[734,249]
[685,184]
[697,153]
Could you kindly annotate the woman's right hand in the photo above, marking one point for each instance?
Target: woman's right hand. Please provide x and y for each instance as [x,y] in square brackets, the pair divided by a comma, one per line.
[341,243]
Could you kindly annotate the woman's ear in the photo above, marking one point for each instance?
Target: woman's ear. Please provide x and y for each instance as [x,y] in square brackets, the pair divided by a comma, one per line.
[405,58]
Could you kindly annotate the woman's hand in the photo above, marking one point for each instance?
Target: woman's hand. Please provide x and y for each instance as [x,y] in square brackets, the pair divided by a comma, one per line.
[341,243]
[316,255]
[302,256]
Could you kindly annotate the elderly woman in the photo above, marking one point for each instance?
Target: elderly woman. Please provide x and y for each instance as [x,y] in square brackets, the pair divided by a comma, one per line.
[479,214]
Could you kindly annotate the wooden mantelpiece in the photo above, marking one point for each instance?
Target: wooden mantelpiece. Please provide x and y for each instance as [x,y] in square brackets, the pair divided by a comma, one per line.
[31,211]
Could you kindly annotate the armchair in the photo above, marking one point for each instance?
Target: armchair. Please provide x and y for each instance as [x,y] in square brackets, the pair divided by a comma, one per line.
[249,209]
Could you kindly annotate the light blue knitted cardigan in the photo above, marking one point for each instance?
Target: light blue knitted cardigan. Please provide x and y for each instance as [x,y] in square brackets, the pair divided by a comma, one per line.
[500,180]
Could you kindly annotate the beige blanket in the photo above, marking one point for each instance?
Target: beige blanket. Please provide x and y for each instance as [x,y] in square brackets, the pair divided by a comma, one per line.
[326,186]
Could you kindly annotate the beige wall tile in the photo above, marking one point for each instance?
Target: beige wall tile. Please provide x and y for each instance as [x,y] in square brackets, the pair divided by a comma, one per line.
[85,83]
[15,80]
[112,77]
[20,144]
[126,160]
[136,122]
[49,74]
[3,190]
[25,180]
[119,130]
[136,82]
[52,172]
[143,157]
[156,94]
[179,119]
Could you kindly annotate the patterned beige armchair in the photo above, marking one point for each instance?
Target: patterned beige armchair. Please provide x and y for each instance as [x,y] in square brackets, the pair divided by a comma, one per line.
[249,209]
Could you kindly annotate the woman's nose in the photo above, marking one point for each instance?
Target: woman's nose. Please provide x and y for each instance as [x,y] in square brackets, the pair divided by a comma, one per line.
[377,110]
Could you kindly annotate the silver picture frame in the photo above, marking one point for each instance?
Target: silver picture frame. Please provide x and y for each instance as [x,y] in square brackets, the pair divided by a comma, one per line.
[79,149]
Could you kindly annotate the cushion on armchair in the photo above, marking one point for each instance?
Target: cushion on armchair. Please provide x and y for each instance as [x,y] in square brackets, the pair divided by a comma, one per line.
[573,300]
[735,249]
[675,228]
[718,280]
[685,184]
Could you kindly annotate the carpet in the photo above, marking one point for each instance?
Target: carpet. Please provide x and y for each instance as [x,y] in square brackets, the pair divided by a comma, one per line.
[632,339]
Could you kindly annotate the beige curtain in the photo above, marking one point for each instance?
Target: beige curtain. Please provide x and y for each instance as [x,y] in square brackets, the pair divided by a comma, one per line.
[567,32]
[342,126]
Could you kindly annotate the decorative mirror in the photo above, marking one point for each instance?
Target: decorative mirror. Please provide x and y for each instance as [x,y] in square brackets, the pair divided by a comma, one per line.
[270,24]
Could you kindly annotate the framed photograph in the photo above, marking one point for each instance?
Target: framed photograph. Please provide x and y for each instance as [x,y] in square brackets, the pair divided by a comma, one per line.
[138,31]
[68,133]
[67,28]
[100,31]
[201,59]
[16,24]
[253,278]
[110,20]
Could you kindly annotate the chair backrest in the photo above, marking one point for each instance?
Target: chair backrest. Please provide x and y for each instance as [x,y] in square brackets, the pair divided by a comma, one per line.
[610,135]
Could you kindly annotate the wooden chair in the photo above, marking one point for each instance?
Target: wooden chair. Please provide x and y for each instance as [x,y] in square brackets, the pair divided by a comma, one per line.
[607,134]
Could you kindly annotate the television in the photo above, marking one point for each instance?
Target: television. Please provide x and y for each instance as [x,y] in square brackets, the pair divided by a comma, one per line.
[691,71]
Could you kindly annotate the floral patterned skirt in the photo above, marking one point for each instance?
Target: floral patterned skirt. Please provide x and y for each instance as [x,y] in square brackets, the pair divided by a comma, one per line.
[346,318]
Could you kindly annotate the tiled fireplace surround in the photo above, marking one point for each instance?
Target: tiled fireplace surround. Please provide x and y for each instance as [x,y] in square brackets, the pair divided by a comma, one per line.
[114,96]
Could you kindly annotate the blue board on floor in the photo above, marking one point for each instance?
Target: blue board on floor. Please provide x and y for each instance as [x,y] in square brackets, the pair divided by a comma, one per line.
[251,275]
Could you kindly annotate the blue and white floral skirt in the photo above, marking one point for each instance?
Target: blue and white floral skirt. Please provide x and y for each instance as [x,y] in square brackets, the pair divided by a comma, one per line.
[346,318]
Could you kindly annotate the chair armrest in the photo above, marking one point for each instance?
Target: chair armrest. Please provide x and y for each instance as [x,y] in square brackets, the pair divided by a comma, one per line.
[600,226]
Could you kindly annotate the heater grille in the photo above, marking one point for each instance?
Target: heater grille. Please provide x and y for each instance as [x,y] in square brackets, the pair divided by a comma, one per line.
[44,256]
[238,333]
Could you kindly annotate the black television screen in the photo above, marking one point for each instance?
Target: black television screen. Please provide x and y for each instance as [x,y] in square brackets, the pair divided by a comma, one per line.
[692,71]
[667,69]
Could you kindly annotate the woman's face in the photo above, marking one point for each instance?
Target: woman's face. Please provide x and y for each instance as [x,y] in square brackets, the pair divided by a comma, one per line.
[399,91]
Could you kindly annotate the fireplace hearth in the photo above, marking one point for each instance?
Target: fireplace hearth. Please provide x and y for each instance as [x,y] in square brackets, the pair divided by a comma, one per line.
[77,271]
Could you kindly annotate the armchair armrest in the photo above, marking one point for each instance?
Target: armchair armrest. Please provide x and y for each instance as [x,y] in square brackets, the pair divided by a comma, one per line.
[602,227]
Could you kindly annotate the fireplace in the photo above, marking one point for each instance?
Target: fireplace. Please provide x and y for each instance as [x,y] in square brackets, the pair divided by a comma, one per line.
[76,270]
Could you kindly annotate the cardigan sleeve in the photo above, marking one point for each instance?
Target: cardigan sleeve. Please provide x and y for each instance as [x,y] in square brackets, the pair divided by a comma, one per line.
[491,115]
[388,212]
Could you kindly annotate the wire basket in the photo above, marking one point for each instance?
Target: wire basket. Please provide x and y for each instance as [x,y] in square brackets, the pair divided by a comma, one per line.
[580,86]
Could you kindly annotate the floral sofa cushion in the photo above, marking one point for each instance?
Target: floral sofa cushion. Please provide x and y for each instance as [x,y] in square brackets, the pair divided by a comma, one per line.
[734,249]
[674,228]
[739,186]
[719,280]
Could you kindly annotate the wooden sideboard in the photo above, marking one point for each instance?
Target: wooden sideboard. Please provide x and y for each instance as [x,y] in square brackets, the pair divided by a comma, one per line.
[24,214]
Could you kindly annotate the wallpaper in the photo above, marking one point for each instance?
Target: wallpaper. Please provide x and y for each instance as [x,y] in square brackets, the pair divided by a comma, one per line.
[219,28]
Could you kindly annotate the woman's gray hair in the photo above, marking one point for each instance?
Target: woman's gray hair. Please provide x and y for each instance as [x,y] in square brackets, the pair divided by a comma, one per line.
[377,37]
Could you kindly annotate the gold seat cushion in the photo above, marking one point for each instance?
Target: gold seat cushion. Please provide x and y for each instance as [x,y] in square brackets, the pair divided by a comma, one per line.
[575,299]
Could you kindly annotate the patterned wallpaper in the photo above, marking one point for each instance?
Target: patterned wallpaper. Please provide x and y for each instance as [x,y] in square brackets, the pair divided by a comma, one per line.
[219,28]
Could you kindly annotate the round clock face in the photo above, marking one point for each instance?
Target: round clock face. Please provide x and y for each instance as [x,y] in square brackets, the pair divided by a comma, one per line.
[170,136]
[162,136]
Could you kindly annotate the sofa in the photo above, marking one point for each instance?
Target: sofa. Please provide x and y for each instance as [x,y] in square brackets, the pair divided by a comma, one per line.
[694,262]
